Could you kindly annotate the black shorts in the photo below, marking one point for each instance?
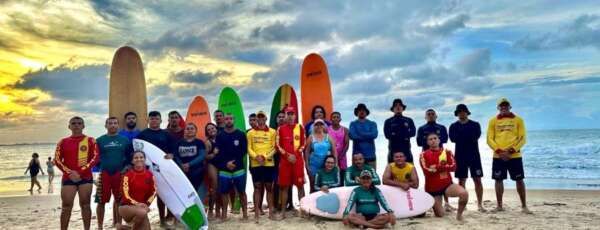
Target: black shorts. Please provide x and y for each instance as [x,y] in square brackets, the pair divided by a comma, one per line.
[262,174]
[81,182]
[466,163]
[513,166]
[369,216]
[440,192]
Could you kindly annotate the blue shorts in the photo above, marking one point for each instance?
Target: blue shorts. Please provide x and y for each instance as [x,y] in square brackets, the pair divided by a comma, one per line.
[229,180]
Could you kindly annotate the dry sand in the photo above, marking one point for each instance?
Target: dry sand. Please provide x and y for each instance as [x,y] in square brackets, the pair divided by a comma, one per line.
[553,209]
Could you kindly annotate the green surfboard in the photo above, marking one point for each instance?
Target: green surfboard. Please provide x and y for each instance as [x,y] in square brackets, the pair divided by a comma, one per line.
[229,102]
[285,96]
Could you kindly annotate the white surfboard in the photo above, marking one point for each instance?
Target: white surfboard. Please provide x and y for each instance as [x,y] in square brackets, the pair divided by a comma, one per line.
[404,203]
[173,187]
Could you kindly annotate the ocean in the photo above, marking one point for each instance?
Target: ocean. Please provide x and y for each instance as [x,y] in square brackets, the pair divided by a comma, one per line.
[554,159]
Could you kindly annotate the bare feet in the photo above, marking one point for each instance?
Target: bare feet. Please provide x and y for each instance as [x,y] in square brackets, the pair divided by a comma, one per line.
[481,209]
[499,209]
[525,210]
[459,217]
[449,208]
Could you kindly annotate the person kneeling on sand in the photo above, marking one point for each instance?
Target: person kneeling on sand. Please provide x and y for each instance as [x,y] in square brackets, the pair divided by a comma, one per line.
[437,164]
[400,173]
[367,198]
[138,192]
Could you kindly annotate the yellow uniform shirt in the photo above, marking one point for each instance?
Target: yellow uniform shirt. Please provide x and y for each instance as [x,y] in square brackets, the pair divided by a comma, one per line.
[506,132]
[402,175]
[261,143]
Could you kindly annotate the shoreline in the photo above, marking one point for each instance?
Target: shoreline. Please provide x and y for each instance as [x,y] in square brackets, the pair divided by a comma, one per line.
[572,209]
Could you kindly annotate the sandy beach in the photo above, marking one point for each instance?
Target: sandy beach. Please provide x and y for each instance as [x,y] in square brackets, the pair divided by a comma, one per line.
[553,209]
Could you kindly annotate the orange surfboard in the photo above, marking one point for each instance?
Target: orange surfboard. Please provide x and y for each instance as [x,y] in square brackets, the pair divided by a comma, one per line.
[198,114]
[315,87]
[127,90]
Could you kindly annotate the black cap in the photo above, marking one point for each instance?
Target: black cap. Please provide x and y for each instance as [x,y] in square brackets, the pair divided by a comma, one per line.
[361,106]
[397,101]
[461,107]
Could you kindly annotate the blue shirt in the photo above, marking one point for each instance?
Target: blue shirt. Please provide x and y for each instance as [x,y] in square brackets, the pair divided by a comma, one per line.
[129,134]
[363,134]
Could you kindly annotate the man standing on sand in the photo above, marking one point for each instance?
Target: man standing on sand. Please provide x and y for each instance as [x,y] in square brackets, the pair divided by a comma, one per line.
[363,133]
[113,149]
[506,137]
[290,143]
[161,139]
[465,133]
[398,130]
[233,146]
[75,156]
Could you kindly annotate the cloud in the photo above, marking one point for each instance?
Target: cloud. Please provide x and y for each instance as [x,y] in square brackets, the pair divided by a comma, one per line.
[198,77]
[476,63]
[583,31]
[87,82]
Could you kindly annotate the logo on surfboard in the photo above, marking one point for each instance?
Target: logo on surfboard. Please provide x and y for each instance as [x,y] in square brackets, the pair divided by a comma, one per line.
[315,73]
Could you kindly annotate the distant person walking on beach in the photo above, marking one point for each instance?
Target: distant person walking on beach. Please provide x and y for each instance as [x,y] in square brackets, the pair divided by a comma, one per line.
[34,169]
[75,157]
[465,133]
[50,171]
[506,137]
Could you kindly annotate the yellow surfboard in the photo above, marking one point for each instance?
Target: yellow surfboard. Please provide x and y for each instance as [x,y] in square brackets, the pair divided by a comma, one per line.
[127,90]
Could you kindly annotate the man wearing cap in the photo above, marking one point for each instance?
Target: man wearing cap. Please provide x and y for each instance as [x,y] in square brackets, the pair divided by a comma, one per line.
[431,127]
[367,199]
[465,134]
[363,133]
[261,149]
[506,137]
[290,143]
[398,129]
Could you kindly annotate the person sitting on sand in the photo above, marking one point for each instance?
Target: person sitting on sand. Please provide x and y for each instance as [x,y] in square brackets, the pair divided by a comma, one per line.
[506,137]
[351,177]
[328,176]
[367,198]
[437,164]
[138,190]
[401,173]
[34,169]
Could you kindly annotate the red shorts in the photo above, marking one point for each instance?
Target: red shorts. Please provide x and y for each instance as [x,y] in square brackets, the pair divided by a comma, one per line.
[291,174]
[110,184]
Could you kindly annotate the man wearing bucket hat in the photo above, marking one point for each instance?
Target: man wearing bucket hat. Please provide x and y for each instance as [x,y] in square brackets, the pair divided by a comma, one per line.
[398,129]
[506,137]
[363,133]
[465,134]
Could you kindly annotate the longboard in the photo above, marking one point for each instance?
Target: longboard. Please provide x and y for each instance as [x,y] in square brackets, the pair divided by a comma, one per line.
[127,90]
[285,96]
[173,187]
[229,102]
[315,88]
[404,203]
[198,114]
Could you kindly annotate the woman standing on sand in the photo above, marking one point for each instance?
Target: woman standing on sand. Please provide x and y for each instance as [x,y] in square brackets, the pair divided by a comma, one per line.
[50,171]
[138,192]
[34,169]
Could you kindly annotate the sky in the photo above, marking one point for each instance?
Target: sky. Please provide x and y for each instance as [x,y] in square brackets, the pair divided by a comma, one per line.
[543,56]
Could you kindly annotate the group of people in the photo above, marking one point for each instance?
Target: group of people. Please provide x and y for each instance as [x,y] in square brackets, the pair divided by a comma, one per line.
[34,167]
[280,156]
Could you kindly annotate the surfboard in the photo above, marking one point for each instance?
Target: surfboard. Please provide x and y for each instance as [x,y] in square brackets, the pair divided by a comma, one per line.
[315,88]
[229,102]
[284,96]
[127,89]
[173,187]
[198,114]
[404,203]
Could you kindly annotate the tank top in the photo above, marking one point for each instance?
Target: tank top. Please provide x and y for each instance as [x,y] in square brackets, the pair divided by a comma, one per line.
[338,136]
[50,166]
[320,150]
[401,174]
